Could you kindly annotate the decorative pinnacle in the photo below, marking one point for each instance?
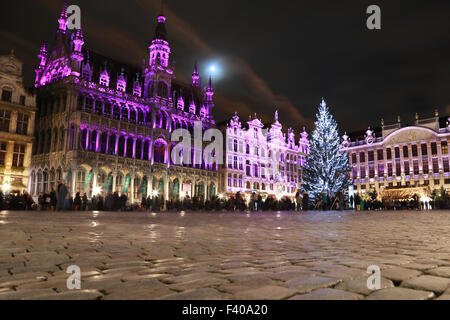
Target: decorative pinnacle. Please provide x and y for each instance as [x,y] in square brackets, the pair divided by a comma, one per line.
[195,68]
[44,47]
[64,10]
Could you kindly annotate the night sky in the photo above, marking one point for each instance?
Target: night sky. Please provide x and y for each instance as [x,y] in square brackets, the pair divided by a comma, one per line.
[271,55]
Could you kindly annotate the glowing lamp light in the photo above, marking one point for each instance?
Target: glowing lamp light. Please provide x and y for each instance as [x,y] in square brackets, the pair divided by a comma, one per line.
[220,196]
[212,68]
[6,187]
[183,194]
[96,191]
[154,193]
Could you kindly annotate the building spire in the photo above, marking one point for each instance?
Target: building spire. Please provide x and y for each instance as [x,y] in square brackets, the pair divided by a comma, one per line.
[63,19]
[195,76]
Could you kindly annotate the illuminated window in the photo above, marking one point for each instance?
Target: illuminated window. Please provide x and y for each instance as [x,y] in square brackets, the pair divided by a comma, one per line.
[380,155]
[381,170]
[5,117]
[435,166]
[22,124]
[2,153]
[405,152]
[416,167]
[362,157]
[18,155]
[446,165]
[414,151]
[434,148]
[407,168]
[426,169]
[424,150]
[444,147]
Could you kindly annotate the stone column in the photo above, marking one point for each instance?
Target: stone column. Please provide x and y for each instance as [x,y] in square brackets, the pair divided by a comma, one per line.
[132,189]
[125,147]
[114,182]
[134,148]
[149,185]
[97,142]
[94,181]
[166,189]
[107,142]
[88,133]
[166,156]
[116,148]
[74,180]
[150,152]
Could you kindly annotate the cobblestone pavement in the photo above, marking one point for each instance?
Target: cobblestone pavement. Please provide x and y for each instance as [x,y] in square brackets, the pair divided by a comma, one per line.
[225,256]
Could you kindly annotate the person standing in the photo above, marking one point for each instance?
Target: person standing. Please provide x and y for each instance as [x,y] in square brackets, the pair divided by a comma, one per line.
[358,202]
[52,200]
[85,203]
[77,202]
[62,195]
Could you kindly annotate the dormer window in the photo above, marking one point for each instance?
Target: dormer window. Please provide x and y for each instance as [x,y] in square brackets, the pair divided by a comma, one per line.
[137,90]
[121,86]
[180,104]
[192,108]
[104,80]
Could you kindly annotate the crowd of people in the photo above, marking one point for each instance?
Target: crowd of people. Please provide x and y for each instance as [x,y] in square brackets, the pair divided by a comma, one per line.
[61,200]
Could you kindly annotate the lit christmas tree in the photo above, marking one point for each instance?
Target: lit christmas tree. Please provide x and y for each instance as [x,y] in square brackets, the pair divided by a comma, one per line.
[327,170]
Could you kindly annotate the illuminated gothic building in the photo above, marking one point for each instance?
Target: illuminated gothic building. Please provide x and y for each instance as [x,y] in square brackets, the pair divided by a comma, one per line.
[17,113]
[400,161]
[263,161]
[104,126]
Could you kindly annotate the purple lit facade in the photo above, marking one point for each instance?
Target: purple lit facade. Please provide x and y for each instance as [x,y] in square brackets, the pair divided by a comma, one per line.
[263,160]
[399,161]
[105,127]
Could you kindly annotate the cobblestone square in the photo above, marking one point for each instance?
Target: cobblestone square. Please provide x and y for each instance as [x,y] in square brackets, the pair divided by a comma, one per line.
[202,256]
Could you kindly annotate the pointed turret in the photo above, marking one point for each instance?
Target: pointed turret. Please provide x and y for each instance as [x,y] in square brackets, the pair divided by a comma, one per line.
[137,87]
[63,20]
[160,49]
[195,76]
[43,54]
